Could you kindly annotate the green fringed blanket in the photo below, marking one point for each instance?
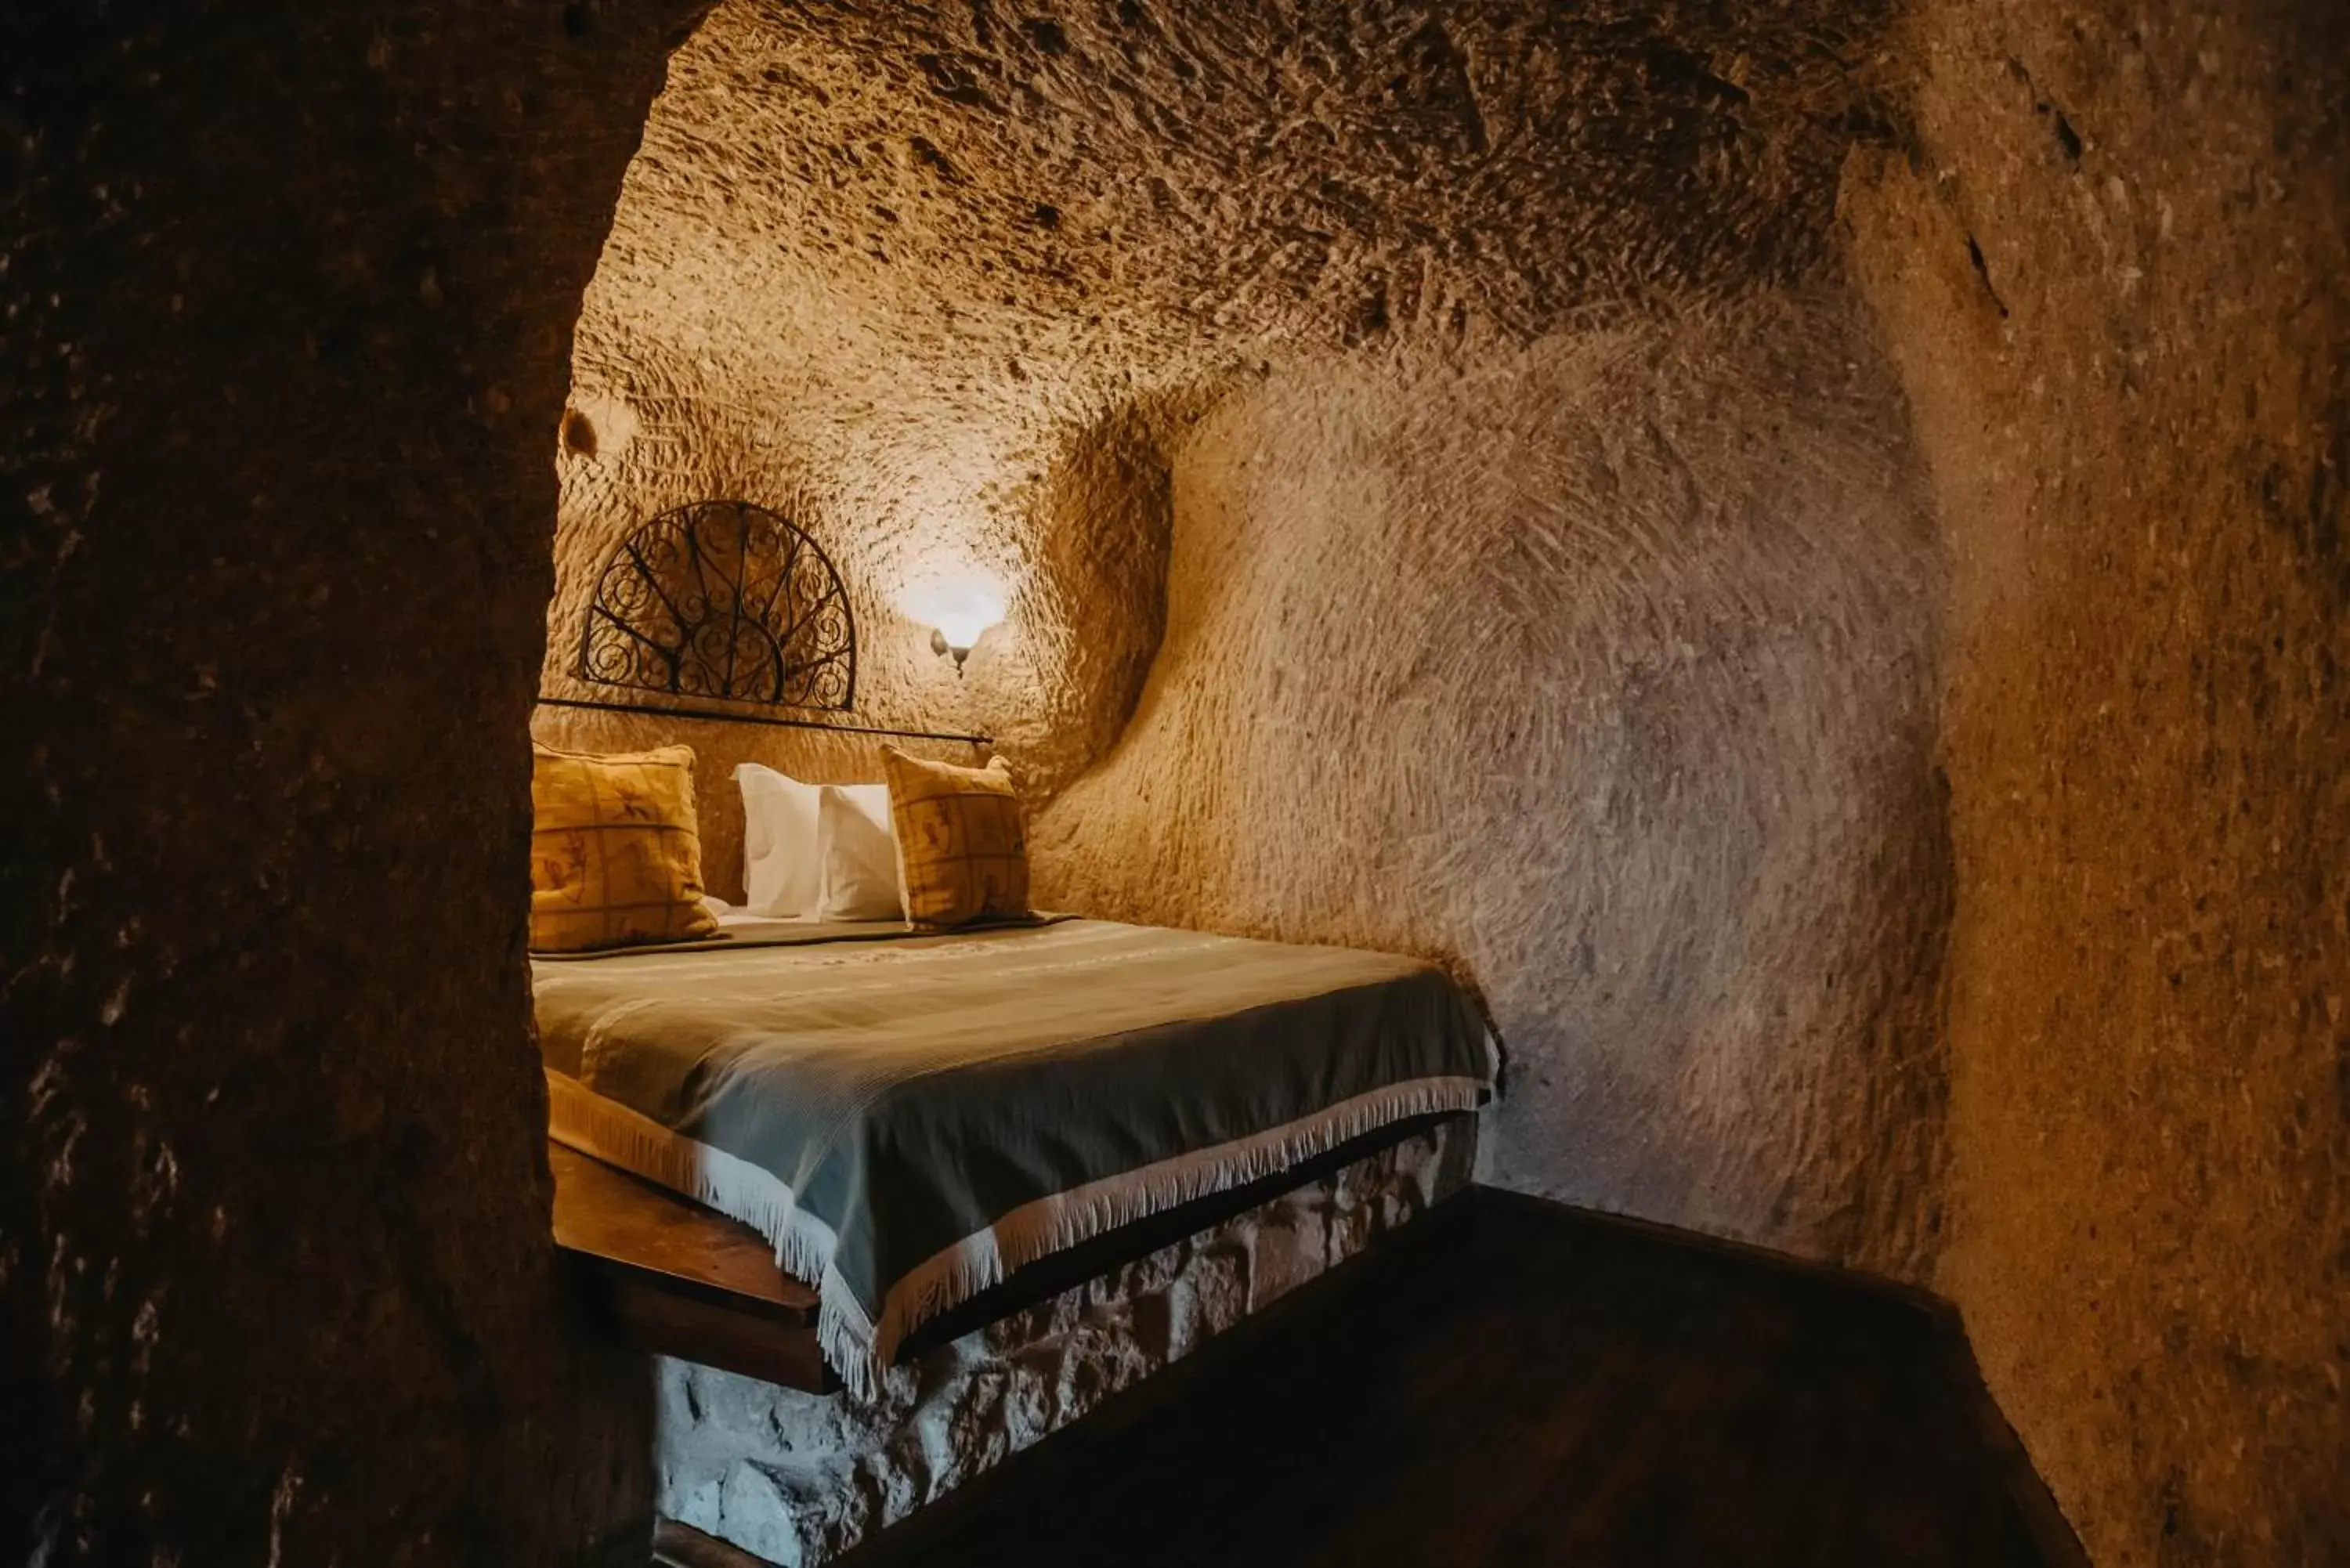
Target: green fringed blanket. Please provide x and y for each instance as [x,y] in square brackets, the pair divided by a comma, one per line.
[909,1118]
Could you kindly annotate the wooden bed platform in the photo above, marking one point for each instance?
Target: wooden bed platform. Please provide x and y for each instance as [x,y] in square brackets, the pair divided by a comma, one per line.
[684,1280]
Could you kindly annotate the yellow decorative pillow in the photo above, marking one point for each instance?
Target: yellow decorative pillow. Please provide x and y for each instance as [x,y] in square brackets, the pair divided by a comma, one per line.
[963,845]
[615,850]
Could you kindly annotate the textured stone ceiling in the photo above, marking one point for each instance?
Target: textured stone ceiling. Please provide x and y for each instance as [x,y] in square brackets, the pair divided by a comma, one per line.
[1087,179]
[949,281]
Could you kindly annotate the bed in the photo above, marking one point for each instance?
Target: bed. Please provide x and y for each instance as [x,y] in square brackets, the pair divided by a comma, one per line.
[907,1118]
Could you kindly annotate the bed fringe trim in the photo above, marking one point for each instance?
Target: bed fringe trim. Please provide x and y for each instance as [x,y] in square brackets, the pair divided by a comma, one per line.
[859,1349]
[608,1130]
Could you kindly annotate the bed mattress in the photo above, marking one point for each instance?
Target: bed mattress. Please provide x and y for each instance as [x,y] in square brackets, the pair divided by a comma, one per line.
[910,1117]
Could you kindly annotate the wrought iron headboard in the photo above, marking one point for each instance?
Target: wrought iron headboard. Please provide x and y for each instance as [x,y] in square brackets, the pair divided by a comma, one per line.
[724,600]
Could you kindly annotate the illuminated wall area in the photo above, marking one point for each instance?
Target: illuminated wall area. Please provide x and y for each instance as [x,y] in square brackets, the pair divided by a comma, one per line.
[1796,548]
[1514,512]
[1748,538]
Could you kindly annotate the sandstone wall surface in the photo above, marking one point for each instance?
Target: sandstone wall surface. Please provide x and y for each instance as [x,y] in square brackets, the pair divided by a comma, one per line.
[1601,670]
[287,295]
[1463,406]
[1444,489]
[2116,271]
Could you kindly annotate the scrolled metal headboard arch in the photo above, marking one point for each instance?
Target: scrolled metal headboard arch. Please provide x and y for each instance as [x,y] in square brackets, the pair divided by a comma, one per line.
[724,601]
[727,600]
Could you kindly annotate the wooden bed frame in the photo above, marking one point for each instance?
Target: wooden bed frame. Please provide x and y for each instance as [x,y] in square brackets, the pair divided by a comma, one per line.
[684,1280]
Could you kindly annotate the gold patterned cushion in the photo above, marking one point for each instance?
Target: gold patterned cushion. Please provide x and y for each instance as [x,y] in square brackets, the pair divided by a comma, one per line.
[963,845]
[615,850]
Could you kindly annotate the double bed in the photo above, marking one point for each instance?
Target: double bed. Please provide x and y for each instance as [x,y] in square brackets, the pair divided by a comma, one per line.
[907,1118]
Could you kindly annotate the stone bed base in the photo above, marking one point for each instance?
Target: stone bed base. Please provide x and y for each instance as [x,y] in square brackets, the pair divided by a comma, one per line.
[798,1478]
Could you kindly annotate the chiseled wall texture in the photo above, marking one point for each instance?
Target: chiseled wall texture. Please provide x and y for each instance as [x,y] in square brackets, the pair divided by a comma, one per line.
[2137,408]
[1510,482]
[1466,407]
[1600,669]
[286,295]
[1460,487]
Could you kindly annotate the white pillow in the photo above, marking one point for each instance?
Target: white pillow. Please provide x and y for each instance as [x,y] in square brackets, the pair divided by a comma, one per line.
[783,875]
[859,852]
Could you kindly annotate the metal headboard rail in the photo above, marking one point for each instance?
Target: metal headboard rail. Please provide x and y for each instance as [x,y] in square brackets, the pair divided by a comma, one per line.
[718,716]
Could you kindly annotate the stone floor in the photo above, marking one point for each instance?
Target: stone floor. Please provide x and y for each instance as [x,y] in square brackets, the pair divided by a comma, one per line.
[1513,1383]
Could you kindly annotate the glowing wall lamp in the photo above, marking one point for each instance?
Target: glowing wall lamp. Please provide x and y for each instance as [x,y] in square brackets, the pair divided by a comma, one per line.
[960,612]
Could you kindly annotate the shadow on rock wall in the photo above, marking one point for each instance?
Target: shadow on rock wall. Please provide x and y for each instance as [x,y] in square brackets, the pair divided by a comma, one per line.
[289,304]
[2115,275]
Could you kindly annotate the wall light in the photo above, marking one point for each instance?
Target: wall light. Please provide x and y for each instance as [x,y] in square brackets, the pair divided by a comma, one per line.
[960,612]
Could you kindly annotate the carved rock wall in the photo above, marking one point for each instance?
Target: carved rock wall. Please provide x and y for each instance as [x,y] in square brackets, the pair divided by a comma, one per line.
[1464,407]
[1603,671]
[287,295]
[2115,272]
[798,1479]
[1243,346]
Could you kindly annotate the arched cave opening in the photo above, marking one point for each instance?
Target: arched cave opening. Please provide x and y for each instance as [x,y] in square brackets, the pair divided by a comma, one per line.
[1794,549]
